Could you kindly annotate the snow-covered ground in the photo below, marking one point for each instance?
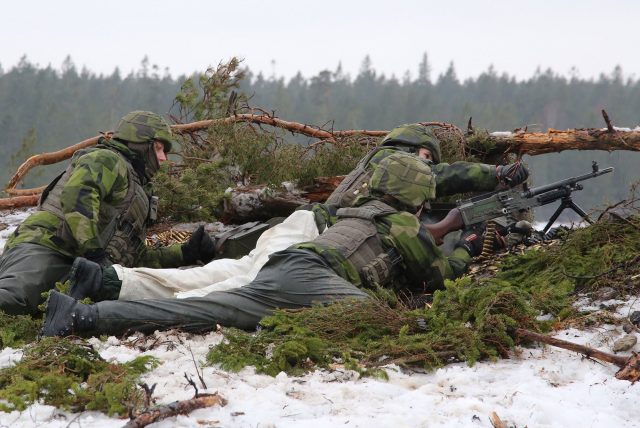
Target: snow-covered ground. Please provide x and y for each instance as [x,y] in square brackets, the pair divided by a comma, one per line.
[540,387]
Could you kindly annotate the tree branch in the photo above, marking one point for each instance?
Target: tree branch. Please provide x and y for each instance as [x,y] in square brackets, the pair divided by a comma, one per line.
[629,366]
[176,408]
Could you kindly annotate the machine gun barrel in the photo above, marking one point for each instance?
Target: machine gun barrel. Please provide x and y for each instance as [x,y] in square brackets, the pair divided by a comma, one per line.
[566,182]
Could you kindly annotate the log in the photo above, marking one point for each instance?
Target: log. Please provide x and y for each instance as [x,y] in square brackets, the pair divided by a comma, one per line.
[19,202]
[45,159]
[260,202]
[553,141]
[176,408]
[629,366]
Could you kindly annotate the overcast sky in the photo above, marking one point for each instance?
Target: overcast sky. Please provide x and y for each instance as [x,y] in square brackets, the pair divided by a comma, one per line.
[308,36]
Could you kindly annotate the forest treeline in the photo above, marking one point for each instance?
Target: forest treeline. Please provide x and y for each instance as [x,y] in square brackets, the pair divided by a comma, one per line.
[44,108]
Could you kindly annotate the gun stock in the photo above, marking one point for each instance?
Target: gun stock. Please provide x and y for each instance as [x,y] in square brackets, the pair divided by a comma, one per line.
[453,221]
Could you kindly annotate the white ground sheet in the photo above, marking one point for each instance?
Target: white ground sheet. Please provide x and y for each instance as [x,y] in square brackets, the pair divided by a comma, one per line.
[222,274]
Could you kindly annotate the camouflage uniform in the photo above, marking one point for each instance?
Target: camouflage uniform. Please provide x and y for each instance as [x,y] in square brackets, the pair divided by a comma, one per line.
[97,208]
[450,179]
[390,248]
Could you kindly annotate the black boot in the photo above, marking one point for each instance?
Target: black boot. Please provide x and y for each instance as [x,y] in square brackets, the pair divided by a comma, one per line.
[85,278]
[65,316]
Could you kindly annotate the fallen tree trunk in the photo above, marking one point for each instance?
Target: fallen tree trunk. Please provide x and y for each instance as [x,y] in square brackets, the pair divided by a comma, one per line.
[44,159]
[520,142]
[553,141]
[19,202]
[250,203]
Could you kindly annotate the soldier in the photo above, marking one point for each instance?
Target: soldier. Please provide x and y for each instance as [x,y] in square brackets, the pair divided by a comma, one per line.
[415,139]
[98,208]
[420,140]
[379,242]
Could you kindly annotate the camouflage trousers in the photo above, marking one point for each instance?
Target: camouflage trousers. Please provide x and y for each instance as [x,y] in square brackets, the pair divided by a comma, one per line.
[26,271]
[293,278]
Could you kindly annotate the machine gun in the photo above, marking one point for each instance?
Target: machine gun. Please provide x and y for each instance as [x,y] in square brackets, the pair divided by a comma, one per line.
[486,207]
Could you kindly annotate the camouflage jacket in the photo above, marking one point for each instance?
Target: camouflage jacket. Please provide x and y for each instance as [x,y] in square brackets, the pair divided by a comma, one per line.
[423,266]
[451,179]
[97,177]
[458,177]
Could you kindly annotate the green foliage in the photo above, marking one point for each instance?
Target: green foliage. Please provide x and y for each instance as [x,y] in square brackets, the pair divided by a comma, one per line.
[195,194]
[233,153]
[479,141]
[586,258]
[469,320]
[16,330]
[210,99]
[72,375]
[371,333]
[265,157]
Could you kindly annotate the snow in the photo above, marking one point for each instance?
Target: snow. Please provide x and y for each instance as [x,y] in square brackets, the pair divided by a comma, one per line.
[541,387]
[537,387]
[11,219]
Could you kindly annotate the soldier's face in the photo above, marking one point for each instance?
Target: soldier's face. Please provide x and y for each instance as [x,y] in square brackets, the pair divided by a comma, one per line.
[159,149]
[425,153]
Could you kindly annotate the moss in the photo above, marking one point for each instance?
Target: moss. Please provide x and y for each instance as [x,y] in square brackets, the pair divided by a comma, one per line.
[479,142]
[16,330]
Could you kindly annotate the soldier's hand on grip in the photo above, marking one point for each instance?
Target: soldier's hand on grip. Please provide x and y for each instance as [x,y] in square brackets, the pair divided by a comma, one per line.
[512,174]
[199,247]
[99,256]
[472,240]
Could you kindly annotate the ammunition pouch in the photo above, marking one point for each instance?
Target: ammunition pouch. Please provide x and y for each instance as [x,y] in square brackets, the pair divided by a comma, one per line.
[380,271]
[356,238]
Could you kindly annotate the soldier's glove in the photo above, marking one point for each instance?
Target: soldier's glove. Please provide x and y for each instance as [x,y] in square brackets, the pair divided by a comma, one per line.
[512,174]
[555,232]
[99,256]
[472,240]
[536,237]
[199,247]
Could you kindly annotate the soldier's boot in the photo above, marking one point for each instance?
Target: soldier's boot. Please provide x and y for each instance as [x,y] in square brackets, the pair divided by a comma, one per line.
[66,316]
[85,278]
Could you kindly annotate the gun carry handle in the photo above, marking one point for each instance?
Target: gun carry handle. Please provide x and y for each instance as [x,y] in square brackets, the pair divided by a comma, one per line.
[453,221]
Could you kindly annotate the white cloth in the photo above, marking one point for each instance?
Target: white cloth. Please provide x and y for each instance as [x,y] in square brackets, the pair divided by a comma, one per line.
[221,274]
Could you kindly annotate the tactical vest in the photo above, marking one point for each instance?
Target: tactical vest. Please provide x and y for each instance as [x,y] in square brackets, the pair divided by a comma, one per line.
[356,238]
[122,226]
[355,183]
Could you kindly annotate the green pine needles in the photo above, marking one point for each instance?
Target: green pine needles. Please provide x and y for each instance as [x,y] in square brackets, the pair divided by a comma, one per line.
[470,320]
[71,375]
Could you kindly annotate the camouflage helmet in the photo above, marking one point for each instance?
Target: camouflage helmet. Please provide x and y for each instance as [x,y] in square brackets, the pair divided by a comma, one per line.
[406,177]
[414,135]
[144,127]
